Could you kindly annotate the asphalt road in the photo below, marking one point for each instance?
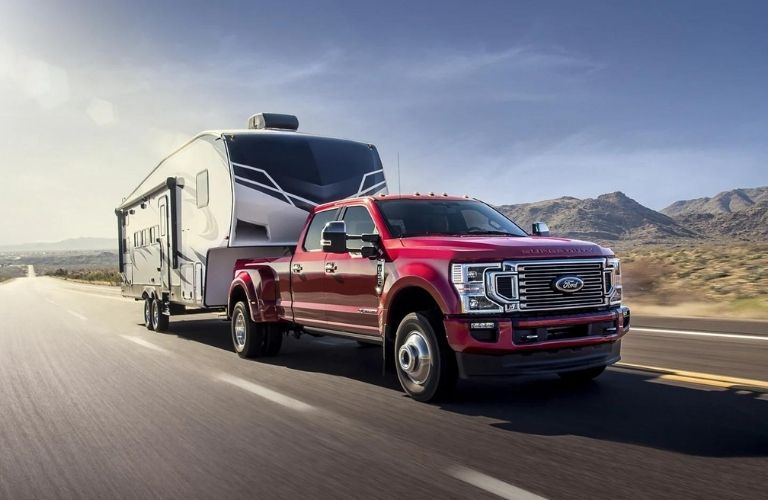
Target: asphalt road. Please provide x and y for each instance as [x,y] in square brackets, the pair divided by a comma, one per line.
[92,405]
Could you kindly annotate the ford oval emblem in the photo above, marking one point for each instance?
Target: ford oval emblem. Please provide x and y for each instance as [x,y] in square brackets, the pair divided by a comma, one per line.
[568,284]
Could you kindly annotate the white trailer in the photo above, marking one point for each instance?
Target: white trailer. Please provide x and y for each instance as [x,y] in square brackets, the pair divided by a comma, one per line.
[228,195]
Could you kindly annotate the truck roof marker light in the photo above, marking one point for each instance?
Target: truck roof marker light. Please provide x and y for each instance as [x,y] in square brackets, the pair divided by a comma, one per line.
[445,194]
[417,193]
[431,193]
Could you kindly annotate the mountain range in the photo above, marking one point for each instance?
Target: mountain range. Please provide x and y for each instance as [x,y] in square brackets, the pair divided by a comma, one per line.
[70,245]
[740,214]
[737,214]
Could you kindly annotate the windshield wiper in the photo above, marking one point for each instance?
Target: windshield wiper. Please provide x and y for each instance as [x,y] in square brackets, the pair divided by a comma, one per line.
[492,232]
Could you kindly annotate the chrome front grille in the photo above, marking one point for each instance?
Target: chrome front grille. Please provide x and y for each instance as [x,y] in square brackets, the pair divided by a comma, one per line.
[536,280]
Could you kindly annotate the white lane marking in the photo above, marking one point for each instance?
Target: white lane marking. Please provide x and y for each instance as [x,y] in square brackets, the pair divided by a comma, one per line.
[70,311]
[700,334]
[77,315]
[31,272]
[265,393]
[491,484]
[94,294]
[149,345]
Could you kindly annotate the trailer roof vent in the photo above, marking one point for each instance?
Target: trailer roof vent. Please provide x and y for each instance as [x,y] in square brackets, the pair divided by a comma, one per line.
[262,121]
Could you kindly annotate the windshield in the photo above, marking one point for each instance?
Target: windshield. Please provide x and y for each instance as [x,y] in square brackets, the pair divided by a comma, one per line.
[407,218]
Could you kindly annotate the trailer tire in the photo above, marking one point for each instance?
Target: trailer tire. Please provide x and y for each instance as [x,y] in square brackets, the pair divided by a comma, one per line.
[160,321]
[248,337]
[425,364]
[148,313]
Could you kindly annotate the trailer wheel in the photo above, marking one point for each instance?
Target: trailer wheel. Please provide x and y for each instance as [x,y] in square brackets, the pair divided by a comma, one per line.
[148,313]
[247,337]
[159,320]
[426,366]
[582,375]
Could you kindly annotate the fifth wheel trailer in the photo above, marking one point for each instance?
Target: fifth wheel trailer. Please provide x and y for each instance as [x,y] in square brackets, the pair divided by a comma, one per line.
[228,195]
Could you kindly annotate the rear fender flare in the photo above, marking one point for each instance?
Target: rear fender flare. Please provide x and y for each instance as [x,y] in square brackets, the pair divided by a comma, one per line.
[260,285]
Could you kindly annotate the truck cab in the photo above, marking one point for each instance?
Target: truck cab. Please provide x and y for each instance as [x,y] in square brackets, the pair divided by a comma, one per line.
[448,286]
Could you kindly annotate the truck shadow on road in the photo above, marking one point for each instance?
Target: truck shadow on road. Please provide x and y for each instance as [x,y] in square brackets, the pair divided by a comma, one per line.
[628,408]
[620,406]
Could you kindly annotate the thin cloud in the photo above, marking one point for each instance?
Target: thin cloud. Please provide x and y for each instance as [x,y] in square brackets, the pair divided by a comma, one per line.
[515,59]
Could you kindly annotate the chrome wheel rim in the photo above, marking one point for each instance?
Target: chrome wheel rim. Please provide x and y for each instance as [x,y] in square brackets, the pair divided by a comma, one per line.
[239,332]
[147,315]
[414,358]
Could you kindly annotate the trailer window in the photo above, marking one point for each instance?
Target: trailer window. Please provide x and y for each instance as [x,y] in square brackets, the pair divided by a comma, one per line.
[163,219]
[315,230]
[202,189]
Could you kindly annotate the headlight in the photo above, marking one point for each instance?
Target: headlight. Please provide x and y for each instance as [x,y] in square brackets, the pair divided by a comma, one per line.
[469,281]
[613,280]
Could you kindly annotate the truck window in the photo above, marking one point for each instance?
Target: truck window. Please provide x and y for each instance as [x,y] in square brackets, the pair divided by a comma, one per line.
[358,222]
[312,240]
[201,189]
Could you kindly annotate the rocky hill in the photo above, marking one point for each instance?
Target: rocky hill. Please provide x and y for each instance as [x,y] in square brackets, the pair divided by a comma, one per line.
[740,213]
[727,202]
[609,217]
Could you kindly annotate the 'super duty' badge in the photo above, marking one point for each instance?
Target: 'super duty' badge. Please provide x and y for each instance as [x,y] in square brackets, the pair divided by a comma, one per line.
[568,284]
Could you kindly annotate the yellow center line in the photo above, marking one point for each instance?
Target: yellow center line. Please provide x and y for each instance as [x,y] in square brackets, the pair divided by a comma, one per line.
[697,377]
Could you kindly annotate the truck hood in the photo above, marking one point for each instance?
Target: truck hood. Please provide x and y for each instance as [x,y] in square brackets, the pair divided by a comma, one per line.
[476,248]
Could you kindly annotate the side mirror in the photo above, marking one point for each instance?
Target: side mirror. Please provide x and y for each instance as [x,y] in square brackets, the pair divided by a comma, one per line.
[371,238]
[334,237]
[539,229]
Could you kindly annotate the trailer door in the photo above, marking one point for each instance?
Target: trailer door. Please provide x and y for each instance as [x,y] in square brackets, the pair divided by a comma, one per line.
[165,244]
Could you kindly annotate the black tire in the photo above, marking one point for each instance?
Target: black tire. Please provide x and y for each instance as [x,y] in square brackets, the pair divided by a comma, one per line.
[148,313]
[248,338]
[582,375]
[273,339]
[425,378]
[159,319]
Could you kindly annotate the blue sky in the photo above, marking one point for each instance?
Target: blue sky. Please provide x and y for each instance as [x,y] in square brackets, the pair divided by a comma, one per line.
[507,101]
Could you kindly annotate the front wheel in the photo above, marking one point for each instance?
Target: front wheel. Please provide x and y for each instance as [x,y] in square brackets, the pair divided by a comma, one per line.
[425,364]
[582,375]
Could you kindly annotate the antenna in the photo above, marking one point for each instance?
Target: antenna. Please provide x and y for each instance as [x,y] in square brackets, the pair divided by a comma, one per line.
[399,191]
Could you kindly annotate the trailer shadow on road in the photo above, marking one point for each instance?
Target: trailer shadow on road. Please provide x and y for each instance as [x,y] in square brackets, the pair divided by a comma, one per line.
[620,406]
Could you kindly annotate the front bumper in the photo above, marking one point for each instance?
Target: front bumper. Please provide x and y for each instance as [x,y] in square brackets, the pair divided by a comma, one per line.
[536,345]
[539,362]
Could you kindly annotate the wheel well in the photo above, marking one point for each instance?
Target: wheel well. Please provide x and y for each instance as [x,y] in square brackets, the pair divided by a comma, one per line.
[238,295]
[408,300]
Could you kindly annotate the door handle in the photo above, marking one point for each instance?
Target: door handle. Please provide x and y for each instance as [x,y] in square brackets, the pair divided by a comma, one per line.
[330,267]
[296,268]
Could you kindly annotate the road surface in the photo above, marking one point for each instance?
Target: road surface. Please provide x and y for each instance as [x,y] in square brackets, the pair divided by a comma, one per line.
[92,405]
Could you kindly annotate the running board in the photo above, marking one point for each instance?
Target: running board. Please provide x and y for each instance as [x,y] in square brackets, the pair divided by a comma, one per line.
[345,335]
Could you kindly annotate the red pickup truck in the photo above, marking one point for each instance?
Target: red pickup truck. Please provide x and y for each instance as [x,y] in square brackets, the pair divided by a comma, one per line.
[448,286]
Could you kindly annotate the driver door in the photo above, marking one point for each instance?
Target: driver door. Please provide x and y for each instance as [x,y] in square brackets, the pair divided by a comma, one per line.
[350,280]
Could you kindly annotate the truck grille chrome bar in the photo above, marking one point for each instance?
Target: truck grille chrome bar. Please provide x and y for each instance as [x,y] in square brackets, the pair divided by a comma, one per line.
[532,283]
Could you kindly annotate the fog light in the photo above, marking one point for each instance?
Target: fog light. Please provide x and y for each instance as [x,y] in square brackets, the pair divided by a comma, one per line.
[482,325]
[484,331]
